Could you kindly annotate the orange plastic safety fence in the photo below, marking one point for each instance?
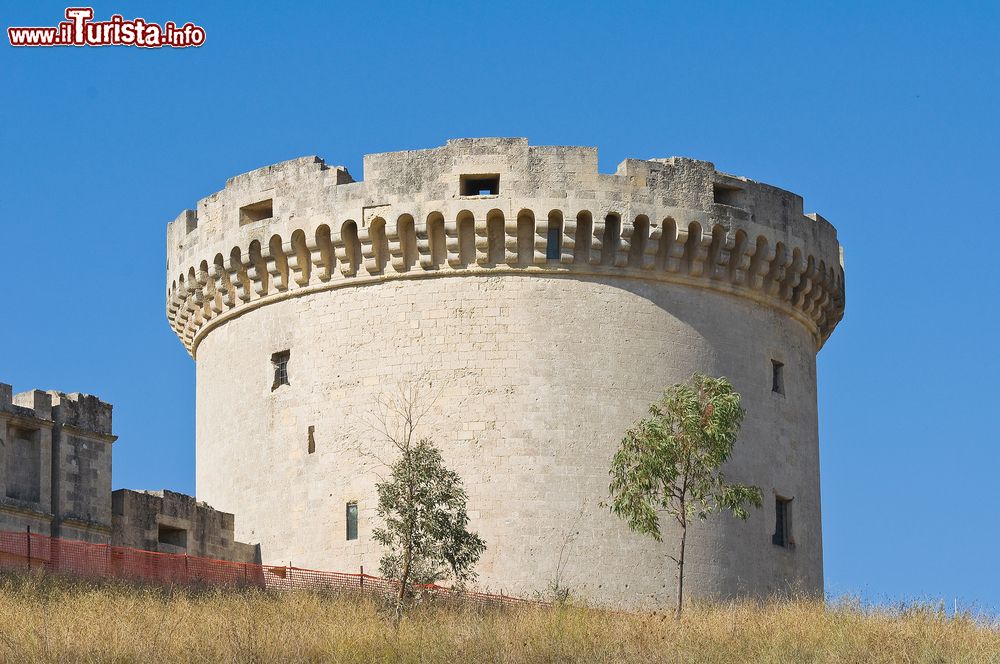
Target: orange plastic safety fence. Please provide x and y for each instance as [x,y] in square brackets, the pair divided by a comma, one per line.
[24,551]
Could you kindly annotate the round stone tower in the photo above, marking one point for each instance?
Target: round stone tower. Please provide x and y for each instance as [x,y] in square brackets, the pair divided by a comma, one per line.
[544,305]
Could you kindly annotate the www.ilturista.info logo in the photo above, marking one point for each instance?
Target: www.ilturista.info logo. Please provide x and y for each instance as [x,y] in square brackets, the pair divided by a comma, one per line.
[80,30]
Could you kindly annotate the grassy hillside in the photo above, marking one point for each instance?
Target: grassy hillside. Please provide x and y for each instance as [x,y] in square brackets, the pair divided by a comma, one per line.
[45,620]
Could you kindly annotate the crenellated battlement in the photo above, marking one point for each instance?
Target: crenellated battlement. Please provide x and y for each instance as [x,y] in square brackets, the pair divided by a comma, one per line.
[82,411]
[496,205]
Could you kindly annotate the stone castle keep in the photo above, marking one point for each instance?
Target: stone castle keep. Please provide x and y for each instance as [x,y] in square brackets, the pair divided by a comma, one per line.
[547,304]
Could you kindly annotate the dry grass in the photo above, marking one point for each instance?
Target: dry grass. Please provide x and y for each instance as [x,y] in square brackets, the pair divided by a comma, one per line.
[46,620]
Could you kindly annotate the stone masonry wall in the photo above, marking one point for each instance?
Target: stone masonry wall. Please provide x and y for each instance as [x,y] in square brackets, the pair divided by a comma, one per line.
[170,522]
[545,316]
[55,464]
[537,379]
[55,478]
[83,459]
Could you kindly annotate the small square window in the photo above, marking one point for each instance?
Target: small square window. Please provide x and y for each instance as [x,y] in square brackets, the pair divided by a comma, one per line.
[777,377]
[352,521]
[280,363]
[171,536]
[479,185]
[782,522]
[256,212]
[727,195]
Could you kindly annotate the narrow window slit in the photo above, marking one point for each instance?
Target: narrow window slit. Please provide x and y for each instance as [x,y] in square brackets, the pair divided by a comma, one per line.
[782,522]
[352,521]
[280,363]
[553,239]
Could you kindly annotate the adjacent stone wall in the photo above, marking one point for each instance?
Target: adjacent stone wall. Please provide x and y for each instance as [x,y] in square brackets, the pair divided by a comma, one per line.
[81,477]
[170,522]
[55,464]
[55,477]
[544,318]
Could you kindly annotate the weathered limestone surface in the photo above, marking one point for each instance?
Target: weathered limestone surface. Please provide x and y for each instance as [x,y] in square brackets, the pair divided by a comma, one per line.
[55,478]
[546,317]
[170,522]
[55,464]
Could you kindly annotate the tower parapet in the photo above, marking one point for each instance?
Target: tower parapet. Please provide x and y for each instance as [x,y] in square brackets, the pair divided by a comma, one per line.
[301,226]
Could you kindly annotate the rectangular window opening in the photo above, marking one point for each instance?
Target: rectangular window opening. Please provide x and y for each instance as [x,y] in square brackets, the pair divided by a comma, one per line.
[553,248]
[352,521]
[280,363]
[256,212]
[725,194]
[312,439]
[479,185]
[777,377]
[782,522]
[172,536]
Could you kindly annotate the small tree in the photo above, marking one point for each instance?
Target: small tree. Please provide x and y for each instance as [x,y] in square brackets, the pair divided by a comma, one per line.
[668,463]
[422,505]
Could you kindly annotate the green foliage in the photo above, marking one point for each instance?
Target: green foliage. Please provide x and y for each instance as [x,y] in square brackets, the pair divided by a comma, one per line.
[668,463]
[423,509]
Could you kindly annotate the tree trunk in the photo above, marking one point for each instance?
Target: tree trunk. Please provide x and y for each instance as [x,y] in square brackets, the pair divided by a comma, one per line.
[404,579]
[680,572]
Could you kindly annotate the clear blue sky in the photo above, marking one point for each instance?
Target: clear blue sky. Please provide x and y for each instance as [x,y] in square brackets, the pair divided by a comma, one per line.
[883,116]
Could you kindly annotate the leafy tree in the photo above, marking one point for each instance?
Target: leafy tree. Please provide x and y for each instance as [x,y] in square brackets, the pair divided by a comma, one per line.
[422,505]
[668,463]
